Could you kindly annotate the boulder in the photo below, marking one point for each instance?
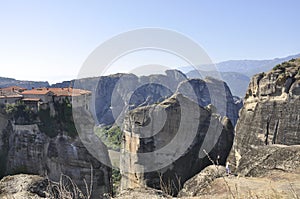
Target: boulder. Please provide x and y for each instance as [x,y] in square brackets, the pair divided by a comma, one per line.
[23,186]
[198,184]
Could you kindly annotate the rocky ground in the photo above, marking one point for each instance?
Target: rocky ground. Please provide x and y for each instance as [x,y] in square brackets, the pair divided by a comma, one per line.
[21,186]
[276,184]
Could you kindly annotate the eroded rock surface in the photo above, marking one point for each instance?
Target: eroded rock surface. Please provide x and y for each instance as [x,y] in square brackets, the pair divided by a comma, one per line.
[173,133]
[22,186]
[260,161]
[28,150]
[211,91]
[117,93]
[263,172]
[270,114]
[198,184]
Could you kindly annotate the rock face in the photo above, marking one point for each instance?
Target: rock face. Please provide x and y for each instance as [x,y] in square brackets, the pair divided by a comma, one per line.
[211,91]
[196,185]
[165,143]
[118,93]
[28,150]
[270,114]
[260,161]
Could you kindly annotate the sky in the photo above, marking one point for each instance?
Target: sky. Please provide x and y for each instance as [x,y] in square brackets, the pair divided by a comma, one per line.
[50,40]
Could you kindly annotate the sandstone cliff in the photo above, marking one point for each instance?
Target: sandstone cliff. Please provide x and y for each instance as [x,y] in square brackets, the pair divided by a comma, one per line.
[26,149]
[165,143]
[115,94]
[270,114]
[211,91]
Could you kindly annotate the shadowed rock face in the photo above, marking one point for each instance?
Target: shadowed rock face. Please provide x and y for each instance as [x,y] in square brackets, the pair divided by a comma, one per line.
[271,111]
[175,131]
[211,91]
[115,94]
[28,150]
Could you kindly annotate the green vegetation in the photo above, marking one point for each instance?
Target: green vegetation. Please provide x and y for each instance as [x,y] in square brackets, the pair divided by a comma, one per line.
[111,136]
[50,125]
[116,179]
[285,65]
[62,121]
[20,113]
[65,117]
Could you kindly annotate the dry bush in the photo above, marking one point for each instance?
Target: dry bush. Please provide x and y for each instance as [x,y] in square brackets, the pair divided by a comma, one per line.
[169,186]
[67,189]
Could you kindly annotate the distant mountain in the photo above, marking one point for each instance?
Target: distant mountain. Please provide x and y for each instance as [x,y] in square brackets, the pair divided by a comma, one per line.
[63,84]
[237,73]
[6,82]
[237,82]
[251,67]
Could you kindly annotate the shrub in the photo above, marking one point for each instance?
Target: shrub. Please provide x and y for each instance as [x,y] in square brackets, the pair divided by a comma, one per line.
[278,66]
[111,137]
[63,121]
[116,179]
[20,113]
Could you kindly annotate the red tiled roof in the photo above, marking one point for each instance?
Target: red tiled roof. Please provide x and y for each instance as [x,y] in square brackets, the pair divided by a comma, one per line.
[57,91]
[10,91]
[36,92]
[13,88]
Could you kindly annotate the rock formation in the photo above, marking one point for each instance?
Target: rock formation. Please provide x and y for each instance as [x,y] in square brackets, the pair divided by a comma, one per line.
[22,186]
[274,184]
[270,114]
[198,184]
[211,91]
[118,93]
[165,143]
[25,149]
[266,145]
[262,160]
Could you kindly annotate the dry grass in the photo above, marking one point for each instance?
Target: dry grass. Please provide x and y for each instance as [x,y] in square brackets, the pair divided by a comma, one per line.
[226,183]
[67,189]
[169,187]
[241,190]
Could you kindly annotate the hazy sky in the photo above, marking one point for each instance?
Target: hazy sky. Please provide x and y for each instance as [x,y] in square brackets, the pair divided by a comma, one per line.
[50,39]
